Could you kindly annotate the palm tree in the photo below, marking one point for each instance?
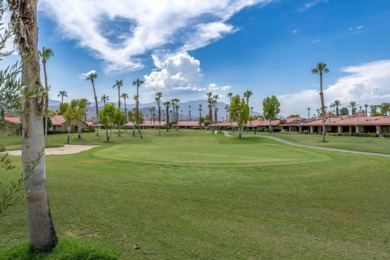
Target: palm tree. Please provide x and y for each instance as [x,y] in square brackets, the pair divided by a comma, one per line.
[308,113]
[210,105]
[189,112]
[200,113]
[62,94]
[41,228]
[230,94]
[158,101]
[366,106]
[247,95]
[167,104]
[125,96]
[226,112]
[104,98]
[353,106]
[137,83]
[92,77]
[175,108]
[118,84]
[337,103]
[215,104]
[45,54]
[320,69]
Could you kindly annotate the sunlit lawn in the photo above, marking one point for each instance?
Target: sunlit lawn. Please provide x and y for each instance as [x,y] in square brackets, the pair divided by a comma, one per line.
[191,194]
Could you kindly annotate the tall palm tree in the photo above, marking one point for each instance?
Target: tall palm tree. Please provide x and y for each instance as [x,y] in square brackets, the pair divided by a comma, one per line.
[215,104]
[247,95]
[337,103]
[167,105]
[189,112]
[320,69]
[118,84]
[210,105]
[175,108]
[158,101]
[137,83]
[41,228]
[200,113]
[308,113]
[353,107]
[125,97]
[227,112]
[45,54]
[104,98]
[62,94]
[230,94]
[366,107]
[92,77]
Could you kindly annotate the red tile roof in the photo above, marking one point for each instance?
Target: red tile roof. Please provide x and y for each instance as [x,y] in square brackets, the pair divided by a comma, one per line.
[189,124]
[12,120]
[58,120]
[350,121]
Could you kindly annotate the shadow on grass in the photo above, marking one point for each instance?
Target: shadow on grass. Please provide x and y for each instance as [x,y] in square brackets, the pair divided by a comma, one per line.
[67,248]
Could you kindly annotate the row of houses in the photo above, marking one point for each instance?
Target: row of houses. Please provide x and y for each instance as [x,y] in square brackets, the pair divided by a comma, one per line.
[341,124]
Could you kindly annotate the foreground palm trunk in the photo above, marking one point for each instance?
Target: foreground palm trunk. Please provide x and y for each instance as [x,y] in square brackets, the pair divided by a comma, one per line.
[42,233]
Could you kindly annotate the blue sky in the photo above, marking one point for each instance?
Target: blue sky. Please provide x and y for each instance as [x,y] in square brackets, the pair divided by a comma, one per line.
[188,48]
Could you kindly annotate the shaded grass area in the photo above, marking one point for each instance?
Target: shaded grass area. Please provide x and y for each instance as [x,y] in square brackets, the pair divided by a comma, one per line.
[67,248]
[337,207]
[363,144]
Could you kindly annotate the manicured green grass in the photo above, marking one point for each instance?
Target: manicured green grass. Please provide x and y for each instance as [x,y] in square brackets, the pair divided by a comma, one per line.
[364,144]
[151,192]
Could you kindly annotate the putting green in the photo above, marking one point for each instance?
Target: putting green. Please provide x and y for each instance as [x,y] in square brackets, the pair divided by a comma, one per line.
[212,153]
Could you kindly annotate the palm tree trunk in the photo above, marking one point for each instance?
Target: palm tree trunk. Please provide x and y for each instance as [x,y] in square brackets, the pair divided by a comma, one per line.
[46,100]
[96,107]
[41,228]
[159,120]
[322,109]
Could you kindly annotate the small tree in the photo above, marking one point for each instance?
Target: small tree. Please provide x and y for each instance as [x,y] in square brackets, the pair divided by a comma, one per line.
[239,112]
[271,108]
[110,115]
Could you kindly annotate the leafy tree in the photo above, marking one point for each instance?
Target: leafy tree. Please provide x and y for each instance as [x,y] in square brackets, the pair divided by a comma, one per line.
[320,69]
[344,111]
[158,101]
[132,116]
[239,112]
[45,54]
[63,107]
[10,88]
[110,115]
[271,108]
[385,109]
[294,115]
[92,77]
[62,94]
[41,228]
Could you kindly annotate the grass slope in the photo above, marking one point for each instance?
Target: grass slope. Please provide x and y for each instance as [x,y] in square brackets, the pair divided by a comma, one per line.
[321,205]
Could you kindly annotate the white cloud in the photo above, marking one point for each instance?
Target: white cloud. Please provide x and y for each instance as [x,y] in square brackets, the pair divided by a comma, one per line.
[311,4]
[120,33]
[366,84]
[86,74]
[180,73]
[215,87]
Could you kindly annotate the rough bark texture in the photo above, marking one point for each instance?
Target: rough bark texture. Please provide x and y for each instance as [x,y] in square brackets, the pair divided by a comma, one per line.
[96,107]
[322,109]
[42,233]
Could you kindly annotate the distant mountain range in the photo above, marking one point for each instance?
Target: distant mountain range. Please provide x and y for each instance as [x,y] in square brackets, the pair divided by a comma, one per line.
[145,108]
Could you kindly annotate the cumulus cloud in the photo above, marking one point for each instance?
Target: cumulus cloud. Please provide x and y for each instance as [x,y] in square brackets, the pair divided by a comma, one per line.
[120,33]
[366,84]
[178,73]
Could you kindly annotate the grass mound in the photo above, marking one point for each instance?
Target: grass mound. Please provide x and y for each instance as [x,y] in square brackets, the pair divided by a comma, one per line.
[67,248]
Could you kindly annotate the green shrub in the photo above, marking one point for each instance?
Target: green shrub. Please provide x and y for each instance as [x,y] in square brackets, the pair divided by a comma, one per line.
[386,135]
[67,248]
[306,132]
[365,135]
